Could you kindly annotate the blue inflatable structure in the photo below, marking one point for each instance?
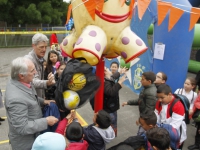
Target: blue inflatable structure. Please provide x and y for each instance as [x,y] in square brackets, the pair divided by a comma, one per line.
[178,43]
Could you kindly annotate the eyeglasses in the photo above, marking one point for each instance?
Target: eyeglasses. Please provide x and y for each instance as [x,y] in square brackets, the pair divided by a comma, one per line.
[159,77]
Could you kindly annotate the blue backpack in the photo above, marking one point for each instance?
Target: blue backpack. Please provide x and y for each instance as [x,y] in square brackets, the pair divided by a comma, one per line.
[184,100]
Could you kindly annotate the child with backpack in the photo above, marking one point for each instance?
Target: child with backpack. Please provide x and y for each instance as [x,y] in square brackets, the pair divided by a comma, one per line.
[187,91]
[164,105]
[148,121]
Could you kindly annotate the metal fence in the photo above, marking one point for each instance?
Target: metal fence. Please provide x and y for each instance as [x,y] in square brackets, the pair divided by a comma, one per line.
[19,37]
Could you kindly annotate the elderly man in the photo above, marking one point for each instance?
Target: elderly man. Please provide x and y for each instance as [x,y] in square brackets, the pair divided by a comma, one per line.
[39,44]
[23,106]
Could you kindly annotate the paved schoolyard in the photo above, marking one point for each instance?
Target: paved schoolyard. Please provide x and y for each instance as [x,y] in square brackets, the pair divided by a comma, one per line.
[127,116]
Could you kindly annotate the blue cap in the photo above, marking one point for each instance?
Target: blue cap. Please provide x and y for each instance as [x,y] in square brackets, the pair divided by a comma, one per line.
[49,141]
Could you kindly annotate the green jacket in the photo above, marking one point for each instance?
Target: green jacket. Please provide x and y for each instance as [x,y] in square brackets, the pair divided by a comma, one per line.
[147,99]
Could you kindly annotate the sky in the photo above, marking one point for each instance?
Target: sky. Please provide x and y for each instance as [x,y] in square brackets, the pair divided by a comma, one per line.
[66,1]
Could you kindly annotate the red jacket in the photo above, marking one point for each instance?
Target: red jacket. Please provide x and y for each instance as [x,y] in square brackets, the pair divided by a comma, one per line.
[74,145]
[196,103]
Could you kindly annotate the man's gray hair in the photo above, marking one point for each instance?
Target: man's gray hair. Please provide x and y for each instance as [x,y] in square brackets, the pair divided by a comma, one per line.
[19,66]
[39,37]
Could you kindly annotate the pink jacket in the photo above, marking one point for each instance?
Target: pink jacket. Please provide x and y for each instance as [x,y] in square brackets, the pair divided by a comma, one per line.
[72,146]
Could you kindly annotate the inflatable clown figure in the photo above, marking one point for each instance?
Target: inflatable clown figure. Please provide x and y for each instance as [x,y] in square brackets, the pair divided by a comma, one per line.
[102,29]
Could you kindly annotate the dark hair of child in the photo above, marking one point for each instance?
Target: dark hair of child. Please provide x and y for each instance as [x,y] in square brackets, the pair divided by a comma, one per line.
[49,63]
[114,62]
[164,88]
[149,76]
[74,132]
[103,119]
[149,117]
[159,137]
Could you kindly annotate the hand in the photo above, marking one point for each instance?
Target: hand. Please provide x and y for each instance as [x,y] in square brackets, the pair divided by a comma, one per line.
[123,70]
[122,79]
[47,102]
[107,73]
[72,115]
[190,111]
[124,103]
[51,120]
[51,79]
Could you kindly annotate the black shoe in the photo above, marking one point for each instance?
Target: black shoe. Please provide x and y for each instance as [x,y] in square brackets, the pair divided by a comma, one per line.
[1,119]
[191,147]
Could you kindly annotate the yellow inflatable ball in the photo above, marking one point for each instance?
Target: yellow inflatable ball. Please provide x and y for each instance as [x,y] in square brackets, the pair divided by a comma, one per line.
[77,82]
[71,99]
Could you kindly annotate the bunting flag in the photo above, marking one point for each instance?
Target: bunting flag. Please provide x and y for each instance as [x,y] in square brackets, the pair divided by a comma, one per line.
[163,9]
[131,8]
[99,5]
[174,16]
[90,6]
[142,6]
[69,13]
[194,17]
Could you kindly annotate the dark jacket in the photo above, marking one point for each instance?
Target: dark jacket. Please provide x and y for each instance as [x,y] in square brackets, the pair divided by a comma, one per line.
[147,99]
[111,95]
[50,91]
[97,138]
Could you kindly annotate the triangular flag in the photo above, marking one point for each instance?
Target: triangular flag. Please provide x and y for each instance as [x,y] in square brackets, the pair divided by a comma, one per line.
[174,16]
[131,8]
[163,9]
[99,5]
[69,13]
[90,6]
[194,16]
[142,6]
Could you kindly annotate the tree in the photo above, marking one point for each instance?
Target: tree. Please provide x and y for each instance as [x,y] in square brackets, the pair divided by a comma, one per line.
[33,11]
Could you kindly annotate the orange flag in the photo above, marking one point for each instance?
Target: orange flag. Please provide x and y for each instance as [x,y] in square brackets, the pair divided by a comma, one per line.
[99,5]
[174,16]
[194,16]
[131,8]
[90,6]
[163,9]
[69,13]
[142,7]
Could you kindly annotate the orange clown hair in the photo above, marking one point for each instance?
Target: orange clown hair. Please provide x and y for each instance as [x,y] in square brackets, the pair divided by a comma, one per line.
[91,5]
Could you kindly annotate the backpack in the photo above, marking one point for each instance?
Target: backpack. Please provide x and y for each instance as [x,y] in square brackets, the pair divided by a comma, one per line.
[78,65]
[136,142]
[184,100]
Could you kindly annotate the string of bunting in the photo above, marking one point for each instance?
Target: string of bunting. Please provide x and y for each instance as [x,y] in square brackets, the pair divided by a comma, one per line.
[175,13]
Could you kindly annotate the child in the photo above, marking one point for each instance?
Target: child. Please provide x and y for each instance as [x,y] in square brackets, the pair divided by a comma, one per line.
[111,95]
[147,98]
[148,121]
[52,58]
[159,138]
[49,141]
[49,92]
[74,133]
[100,133]
[114,66]
[165,99]
[161,78]
[187,91]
